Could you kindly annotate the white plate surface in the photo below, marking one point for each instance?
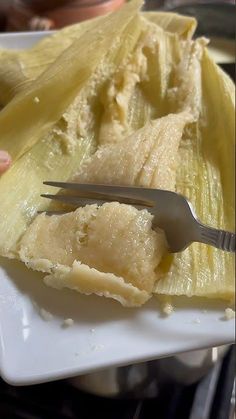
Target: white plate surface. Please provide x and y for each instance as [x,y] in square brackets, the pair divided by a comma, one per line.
[104,333]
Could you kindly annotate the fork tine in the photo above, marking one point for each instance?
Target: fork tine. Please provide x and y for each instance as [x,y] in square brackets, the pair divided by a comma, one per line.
[72,200]
[140,196]
[81,202]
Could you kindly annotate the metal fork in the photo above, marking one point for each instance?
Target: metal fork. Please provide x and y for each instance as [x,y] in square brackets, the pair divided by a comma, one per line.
[172,212]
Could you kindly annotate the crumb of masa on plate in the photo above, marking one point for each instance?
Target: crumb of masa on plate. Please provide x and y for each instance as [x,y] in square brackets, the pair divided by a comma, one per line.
[68,322]
[166,305]
[97,347]
[229,314]
[167,308]
[45,314]
[36,99]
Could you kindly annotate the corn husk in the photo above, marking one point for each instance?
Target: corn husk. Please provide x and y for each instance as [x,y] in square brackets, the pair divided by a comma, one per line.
[65,78]
[206,176]
[19,68]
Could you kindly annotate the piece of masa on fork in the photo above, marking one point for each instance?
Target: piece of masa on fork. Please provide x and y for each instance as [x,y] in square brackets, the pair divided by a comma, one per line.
[172,212]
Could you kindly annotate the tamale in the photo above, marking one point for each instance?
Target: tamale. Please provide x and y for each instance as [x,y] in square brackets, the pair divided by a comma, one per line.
[153,119]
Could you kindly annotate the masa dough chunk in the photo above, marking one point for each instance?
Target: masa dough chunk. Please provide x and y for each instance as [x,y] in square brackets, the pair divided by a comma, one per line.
[113,239]
[88,281]
[148,157]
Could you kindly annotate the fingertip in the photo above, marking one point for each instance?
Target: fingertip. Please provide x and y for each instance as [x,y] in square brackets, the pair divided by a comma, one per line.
[5,161]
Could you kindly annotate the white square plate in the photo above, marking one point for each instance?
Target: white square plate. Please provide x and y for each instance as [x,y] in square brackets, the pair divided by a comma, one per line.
[104,333]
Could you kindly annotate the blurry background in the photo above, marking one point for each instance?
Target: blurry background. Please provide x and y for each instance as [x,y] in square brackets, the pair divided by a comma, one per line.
[216,18]
[20,15]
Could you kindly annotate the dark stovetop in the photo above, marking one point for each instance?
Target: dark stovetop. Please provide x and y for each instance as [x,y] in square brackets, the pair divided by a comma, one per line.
[210,398]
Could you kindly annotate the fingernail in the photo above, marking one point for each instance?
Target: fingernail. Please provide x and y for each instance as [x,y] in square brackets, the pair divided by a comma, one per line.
[4,157]
[5,161]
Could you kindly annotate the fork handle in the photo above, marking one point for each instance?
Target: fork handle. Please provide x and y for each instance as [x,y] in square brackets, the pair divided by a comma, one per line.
[224,240]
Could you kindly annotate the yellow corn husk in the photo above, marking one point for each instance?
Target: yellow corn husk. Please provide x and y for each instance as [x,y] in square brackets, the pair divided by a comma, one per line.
[19,68]
[183,26]
[25,179]
[219,130]
[65,78]
[206,176]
